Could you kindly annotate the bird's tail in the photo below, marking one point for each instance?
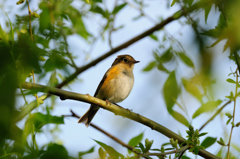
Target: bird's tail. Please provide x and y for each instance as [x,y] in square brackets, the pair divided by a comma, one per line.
[88,116]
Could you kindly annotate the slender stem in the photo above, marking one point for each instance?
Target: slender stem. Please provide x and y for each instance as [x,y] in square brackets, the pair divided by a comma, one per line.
[30,30]
[217,112]
[73,64]
[169,152]
[34,81]
[233,116]
[29,14]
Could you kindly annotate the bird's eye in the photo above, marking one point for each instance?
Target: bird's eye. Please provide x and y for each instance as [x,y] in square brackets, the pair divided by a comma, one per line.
[125,60]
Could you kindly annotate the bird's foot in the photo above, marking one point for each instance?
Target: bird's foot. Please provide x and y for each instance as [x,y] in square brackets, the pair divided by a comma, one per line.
[107,102]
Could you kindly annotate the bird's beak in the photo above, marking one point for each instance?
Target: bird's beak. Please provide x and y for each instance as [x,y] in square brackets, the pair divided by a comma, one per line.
[136,62]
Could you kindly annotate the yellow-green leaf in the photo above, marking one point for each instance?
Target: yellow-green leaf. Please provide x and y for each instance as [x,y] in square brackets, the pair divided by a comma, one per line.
[192,89]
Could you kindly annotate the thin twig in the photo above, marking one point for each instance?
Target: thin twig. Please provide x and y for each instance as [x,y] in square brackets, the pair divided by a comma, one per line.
[73,64]
[141,12]
[233,115]
[106,133]
[34,81]
[29,15]
[169,152]
[217,112]
[30,30]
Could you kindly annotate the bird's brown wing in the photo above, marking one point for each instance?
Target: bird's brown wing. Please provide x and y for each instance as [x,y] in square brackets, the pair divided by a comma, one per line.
[101,83]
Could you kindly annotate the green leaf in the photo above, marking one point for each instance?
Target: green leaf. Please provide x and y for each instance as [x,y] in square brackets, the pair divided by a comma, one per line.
[207,10]
[38,120]
[102,153]
[118,8]
[170,91]
[229,80]
[154,37]
[180,118]
[202,134]
[111,151]
[237,125]
[53,81]
[192,89]
[206,107]
[150,66]
[55,61]
[167,55]
[141,147]
[55,151]
[186,59]
[221,142]
[20,2]
[135,141]
[80,154]
[160,67]
[228,115]
[173,2]
[208,141]
[148,145]
[189,2]
[96,9]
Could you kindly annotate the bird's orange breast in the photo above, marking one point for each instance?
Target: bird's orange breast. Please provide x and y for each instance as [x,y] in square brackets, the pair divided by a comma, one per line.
[109,86]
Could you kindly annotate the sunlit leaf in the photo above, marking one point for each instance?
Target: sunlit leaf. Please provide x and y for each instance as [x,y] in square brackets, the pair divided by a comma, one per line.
[111,151]
[229,80]
[180,118]
[102,153]
[135,141]
[148,145]
[208,141]
[206,107]
[192,89]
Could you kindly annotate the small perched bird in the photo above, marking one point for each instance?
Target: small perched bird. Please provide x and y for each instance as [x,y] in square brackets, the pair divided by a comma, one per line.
[115,86]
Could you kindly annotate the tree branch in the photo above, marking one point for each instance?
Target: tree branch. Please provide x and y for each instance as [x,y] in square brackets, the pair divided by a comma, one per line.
[115,109]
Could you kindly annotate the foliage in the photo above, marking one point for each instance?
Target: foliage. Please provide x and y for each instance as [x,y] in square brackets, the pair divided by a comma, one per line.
[34,47]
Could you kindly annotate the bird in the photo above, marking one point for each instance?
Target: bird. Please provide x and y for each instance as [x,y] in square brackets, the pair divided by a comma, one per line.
[115,86]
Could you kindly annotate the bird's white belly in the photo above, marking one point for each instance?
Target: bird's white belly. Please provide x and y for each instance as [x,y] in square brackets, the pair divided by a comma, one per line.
[122,88]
